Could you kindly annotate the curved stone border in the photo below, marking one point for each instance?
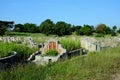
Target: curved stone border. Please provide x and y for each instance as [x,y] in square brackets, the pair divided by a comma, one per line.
[9,59]
[6,62]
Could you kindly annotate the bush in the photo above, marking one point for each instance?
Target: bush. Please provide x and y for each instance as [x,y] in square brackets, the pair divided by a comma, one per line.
[99,35]
[113,34]
[3,29]
[23,52]
[95,66]
[70,44]
[51,53]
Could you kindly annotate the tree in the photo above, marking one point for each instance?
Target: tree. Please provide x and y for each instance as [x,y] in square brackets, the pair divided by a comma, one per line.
[30,27]
[19,28]
[100,28]
[113,33]
[63,28]
[86,30]
[75,28]
[5,26]
[114,28]
[108,30]
[47,27]
[118,30]
[3,29]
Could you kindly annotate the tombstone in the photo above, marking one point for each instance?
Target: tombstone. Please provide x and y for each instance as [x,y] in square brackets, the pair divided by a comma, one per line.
[52,45]
[88,43]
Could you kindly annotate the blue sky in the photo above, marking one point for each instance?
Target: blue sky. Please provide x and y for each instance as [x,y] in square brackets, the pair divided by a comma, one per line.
[76,12]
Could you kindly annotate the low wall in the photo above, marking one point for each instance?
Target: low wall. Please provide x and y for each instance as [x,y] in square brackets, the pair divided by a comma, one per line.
[8,61]
[70,54]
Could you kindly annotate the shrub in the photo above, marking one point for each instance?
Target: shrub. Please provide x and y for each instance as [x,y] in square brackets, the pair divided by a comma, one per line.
[99,35]
[113,33]
[70,44]
[51,53]
[23,52]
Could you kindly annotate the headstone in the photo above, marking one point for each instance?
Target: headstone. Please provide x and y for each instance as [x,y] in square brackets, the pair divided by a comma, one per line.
[52,45]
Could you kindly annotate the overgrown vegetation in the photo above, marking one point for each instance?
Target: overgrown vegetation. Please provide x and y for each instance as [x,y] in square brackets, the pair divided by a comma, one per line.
[23,52]
[51,53]
[4,26]
[95,66]
[70,43]
[62,28]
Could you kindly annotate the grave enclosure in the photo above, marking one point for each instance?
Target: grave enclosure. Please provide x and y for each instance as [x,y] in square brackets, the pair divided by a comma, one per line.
[90,44]
[53,44]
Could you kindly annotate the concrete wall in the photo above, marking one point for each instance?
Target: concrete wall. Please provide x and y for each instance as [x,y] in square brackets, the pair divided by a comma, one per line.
[8,61]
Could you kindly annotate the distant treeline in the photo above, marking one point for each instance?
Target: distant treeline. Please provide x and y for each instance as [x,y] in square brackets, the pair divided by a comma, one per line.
[5,25]
[62,28]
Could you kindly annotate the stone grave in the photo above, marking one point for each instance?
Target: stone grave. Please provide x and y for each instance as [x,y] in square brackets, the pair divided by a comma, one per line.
[91,44]
[51,44]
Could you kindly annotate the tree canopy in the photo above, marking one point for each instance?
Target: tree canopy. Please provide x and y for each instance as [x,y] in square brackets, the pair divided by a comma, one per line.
[59,28]
[47,27]
[4,26]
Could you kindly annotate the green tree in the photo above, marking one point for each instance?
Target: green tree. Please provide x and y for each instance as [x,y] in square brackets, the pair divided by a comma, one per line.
[5,26]
[86,30]
[30,27]
[47,27]
[114,28]
[19,28]
[75,28]
[63,28]
[108,30]
[3,29]
[100,28]
[118,30]
[113,33]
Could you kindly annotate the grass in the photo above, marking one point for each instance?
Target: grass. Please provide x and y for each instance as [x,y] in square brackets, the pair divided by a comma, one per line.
[23,52]
[28,34]
[51,53]
[94,66]
[70,43]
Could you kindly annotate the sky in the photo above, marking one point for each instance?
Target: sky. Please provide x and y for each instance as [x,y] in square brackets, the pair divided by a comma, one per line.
[75,12]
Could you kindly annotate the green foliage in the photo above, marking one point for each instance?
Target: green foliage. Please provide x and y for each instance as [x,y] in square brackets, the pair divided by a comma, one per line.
[70,44]
[47,27]
[85,30]
[108,30]
[114,28]
[4,26]
[3,29]
[51,53]
[76,29]
[23,52]
[27,27]
[118,30]
[94,66]
[113,33]
[99,35]
[101,28]
[19,28]
[62,28]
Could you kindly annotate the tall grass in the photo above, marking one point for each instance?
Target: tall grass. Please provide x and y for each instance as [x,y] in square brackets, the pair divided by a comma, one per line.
[22,51]
[94,66]
[70,43]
